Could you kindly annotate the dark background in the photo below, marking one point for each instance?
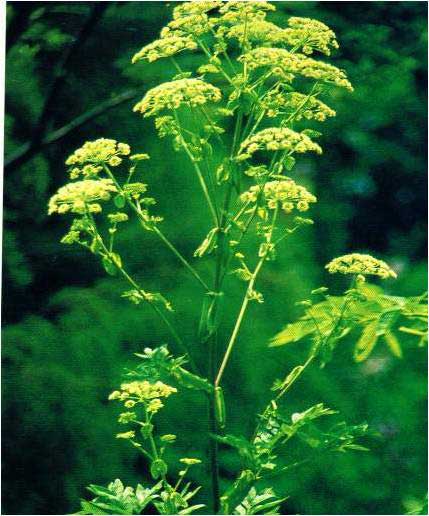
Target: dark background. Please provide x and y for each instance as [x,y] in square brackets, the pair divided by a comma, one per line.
[67,334]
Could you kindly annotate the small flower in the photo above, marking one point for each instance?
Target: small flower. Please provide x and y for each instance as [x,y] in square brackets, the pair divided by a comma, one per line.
[126,435]
[116,218]
[154,406]
[114,161]
[172,95]
[126,417]
[362,264]
[190,462]
[139,157]
[168,438]
[115,395]
[129,404]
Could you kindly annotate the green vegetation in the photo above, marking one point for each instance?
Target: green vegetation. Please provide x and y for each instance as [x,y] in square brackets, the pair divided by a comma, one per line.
[70,333]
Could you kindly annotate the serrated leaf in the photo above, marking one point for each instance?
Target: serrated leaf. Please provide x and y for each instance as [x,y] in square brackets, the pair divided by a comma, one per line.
[289,163]
[109,267]
[393,343]
[119,201]
[208,244]
[311,133]
[366,342]
[290,378]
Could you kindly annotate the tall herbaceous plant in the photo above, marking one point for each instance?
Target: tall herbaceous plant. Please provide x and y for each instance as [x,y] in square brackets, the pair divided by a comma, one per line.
[255,83]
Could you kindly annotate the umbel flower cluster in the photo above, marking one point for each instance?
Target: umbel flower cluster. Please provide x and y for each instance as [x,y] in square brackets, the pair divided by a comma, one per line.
[364,264]
[285,194]
[277,139]
[286,65]
[173,95]
[297,105]
[142,392]
[88,159]
[82,196]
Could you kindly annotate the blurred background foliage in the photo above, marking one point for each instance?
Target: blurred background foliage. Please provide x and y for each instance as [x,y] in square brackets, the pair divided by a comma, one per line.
[67,334]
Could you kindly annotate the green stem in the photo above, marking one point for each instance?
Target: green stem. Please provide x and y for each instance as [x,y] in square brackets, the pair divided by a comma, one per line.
[181,258]
[244,305]
[159,233]
[141,291]
[199,174]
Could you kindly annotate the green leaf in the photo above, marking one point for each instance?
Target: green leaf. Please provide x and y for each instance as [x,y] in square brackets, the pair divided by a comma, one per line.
[290,378]
[119,201]
[367,342]
[311,133]
[109,267]
[289,163]
[208,244]
[158,468]
[393,344]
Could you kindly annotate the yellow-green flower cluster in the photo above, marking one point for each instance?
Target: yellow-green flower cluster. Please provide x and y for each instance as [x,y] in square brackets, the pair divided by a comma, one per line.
[167,46]
[257,31]
[81,196]
[304,106]
[194,7]
[192,25]
[236,11]
[118,217]
[172,95]
[284,63]
[309,35]
[285,194]
[88,159]
[189,461]
[277,139]
[144,392]
[364,264]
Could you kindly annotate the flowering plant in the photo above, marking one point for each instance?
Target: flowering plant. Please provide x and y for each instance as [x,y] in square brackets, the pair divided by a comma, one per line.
[251,93]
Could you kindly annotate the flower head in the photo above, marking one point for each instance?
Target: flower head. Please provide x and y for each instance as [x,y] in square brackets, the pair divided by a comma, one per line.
[81,196]
[190,462]
[88,159]
[126,435]
[284,64]
[172,95]
[257,31]
[277,138]
[364,264]
[143,392]
[127,417]
[194,7]
[296,104]
[285,194]
[309,35]
[192,25]
[167,46]
[235,11]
